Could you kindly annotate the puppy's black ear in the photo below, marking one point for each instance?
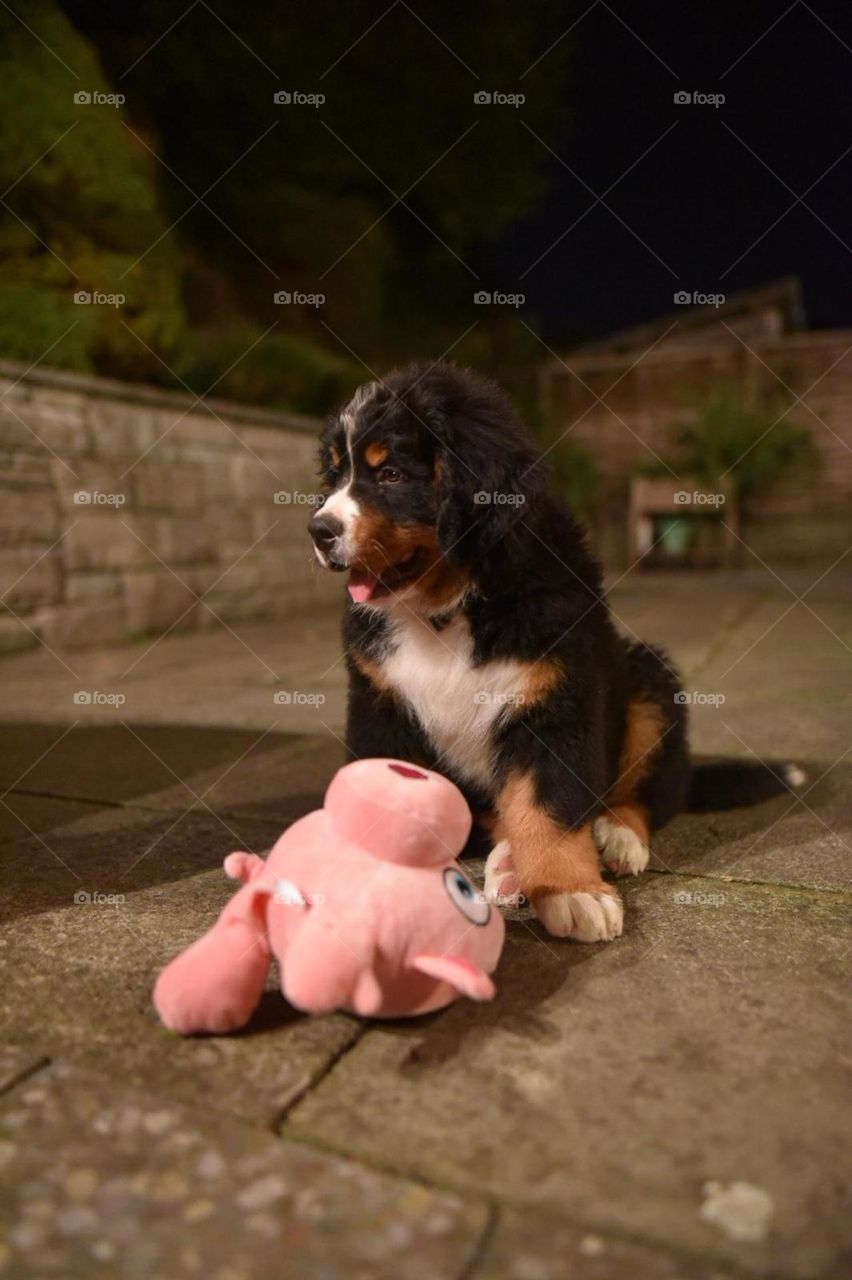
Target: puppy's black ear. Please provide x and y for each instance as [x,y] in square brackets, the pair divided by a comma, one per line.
[484,495]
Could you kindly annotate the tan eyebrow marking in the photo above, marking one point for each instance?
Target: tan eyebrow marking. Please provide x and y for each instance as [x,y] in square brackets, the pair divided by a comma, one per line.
[335,455]
[376,453]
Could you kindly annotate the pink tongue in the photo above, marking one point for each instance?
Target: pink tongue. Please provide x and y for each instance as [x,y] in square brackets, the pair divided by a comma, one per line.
[361,585]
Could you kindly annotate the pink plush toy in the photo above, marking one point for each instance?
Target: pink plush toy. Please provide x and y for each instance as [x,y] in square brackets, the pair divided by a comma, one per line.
[362,903]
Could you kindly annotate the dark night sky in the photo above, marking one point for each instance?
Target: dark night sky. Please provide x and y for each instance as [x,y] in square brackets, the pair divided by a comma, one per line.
[698,199]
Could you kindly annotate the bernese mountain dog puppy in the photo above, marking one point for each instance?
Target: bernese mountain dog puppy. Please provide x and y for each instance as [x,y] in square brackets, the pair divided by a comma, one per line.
[479,644]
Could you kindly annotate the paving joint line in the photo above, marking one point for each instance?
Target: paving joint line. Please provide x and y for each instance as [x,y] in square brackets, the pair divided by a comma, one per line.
[278,1125]
[727,631]
[496,1202]
[682,872]
[479,1252]
[19,1077]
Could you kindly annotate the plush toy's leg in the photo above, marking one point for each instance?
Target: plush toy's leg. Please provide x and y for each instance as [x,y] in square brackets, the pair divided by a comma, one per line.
[216,984]
[243,866]
[321,972]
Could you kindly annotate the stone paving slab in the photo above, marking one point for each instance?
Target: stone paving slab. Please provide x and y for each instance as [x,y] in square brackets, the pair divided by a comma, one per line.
[225,676]
[604,1088]
[785,678]
[120,850]
[682,612]
[83,972]
[530,1246]
[23,814]
[797,839]
[134,1185]
[117,763]
[283,782]
[609,1085]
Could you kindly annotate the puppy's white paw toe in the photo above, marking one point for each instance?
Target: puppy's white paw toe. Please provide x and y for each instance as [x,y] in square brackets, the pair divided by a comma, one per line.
[588,917]
[621,849]
[501,885]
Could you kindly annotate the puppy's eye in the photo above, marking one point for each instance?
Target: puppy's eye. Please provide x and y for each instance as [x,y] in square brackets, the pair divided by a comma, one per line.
[389,475]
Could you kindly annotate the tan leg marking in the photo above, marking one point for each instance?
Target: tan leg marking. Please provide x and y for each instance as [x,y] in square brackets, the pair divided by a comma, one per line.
[556,869]
[622,832]
[642,733]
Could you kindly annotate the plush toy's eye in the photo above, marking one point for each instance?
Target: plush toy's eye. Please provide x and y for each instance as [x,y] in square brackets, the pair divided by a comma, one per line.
[469,900]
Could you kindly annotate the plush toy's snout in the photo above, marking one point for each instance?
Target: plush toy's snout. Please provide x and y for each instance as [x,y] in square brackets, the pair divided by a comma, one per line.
[399,812]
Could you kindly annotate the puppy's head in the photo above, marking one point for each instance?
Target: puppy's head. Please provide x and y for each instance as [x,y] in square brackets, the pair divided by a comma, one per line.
[426,472]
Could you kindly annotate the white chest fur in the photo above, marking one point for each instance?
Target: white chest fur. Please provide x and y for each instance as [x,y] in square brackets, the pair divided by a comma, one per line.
[455,702]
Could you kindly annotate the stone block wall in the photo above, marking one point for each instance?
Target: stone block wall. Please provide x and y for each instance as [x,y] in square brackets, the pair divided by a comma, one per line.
[121,505]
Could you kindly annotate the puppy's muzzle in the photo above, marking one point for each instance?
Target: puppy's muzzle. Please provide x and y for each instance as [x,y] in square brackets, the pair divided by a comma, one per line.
[326,531]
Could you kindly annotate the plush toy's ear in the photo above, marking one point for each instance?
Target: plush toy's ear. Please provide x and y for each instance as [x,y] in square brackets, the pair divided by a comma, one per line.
[467,979]
[482,494]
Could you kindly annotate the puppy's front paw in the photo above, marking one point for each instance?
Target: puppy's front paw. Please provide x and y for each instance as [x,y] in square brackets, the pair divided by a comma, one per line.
[501,884]
[588,917]
[621,849]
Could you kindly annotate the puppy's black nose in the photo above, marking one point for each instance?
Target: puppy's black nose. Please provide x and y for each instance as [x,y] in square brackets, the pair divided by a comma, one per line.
[325,529]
